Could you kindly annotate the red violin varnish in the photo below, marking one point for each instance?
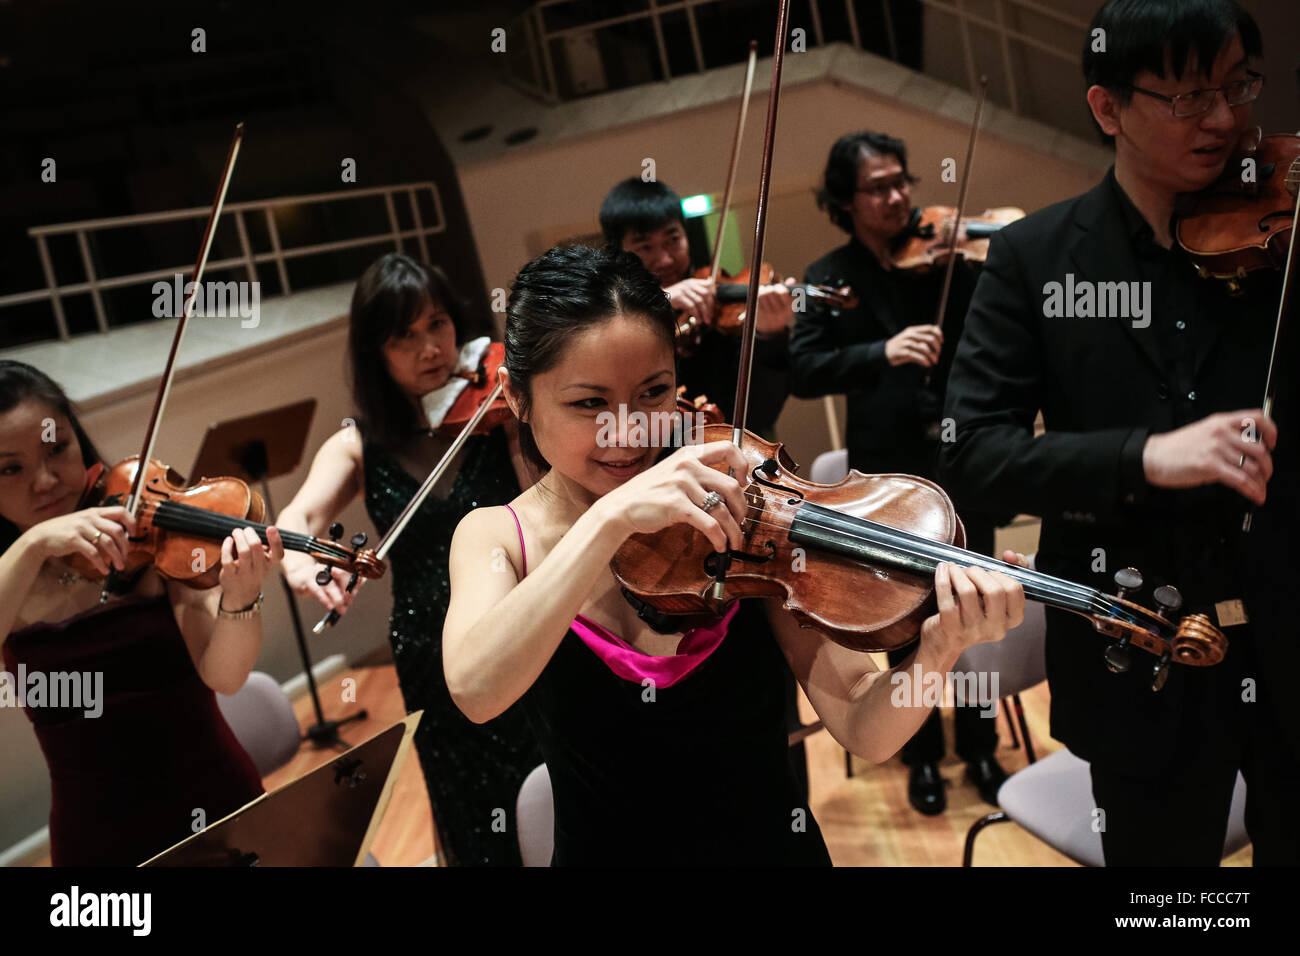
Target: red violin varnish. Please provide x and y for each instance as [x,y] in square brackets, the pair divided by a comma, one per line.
[481,383]
[1241,223]
[180,528]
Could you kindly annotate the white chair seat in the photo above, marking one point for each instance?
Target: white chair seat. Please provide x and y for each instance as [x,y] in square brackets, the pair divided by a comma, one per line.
[1052,799]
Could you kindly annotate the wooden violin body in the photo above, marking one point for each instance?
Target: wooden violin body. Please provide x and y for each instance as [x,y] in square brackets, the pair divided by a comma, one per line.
[481,383]
[705,411]
[179,528]
[931,238]
[730,295]
[1244,221]
[856,560]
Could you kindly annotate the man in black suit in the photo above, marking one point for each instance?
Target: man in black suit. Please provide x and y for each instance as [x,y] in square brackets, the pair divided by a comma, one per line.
[887,356]
[1148,378]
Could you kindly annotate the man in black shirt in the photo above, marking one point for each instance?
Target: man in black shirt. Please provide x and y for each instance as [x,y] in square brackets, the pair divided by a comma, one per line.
[1147,377]
[887,357]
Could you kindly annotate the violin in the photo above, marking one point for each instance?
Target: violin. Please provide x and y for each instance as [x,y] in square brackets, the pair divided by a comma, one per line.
[1246,222]
[1243,222]
[929,240]
[481,382]
[728,314]
[857,559]
[180,528]
[704,411]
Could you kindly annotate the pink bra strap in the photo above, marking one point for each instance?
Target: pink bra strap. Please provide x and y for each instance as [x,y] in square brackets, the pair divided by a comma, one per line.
[522,550]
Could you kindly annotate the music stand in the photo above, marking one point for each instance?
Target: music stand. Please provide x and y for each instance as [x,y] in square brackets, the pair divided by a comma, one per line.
[327,817]
[257,448]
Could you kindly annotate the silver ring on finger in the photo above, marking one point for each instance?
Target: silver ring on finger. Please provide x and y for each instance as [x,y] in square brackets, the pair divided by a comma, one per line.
[711,501]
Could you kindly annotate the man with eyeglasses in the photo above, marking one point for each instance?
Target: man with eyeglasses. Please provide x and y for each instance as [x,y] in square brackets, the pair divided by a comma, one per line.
[888,358]
[1154,448]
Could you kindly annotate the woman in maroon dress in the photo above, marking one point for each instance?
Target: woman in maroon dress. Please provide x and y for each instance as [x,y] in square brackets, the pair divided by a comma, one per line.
[121,693]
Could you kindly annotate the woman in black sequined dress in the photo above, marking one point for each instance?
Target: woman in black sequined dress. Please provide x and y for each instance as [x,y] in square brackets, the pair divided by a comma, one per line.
[406,325]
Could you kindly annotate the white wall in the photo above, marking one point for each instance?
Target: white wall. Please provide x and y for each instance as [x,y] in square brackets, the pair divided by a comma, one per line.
[520,203]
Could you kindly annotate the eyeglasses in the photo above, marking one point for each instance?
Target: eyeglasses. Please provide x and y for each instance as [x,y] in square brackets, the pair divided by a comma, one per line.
[1237,93]
[881,190]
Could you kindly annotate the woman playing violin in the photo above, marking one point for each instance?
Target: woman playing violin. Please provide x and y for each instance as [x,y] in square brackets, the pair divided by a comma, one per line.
[151,759]
[405,336]
[661,747]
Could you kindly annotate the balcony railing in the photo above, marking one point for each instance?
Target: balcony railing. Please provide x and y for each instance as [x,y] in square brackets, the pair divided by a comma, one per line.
[536,71]
[57,289]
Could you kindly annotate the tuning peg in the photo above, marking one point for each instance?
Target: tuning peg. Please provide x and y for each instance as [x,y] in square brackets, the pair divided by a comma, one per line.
[1161,672]
[1128,580]
[1167,599]
[336,531]
[323,577]
[359,540]
[1117,656]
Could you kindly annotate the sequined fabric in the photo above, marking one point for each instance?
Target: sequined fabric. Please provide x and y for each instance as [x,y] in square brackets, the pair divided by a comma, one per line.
[473,771]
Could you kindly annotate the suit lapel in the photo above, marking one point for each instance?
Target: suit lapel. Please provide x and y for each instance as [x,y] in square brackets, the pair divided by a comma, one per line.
[1103,252]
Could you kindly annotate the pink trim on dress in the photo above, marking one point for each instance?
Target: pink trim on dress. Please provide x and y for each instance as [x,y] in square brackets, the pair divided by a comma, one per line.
[633,665]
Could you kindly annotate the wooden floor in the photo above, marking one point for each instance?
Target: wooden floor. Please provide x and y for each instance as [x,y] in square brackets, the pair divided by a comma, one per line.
[866,819]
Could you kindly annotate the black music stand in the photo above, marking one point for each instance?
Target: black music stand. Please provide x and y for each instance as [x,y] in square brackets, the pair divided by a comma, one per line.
[327,817]
[258,448]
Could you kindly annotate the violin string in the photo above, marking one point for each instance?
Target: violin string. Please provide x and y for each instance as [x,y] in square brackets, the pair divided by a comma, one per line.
[1044,587]
[924,549]
[214,524]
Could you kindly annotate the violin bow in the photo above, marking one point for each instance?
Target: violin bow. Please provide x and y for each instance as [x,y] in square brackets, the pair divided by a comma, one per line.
[1289,279]
[961,201]
[756,261]
[735,159]
[134,498]
[394,532]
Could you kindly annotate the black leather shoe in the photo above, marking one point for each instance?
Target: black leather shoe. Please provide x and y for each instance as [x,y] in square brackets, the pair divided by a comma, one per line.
[925,789]
[988,776]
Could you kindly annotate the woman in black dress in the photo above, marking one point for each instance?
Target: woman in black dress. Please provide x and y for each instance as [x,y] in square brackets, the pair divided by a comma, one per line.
[144,758]
[662,748]
[405,337]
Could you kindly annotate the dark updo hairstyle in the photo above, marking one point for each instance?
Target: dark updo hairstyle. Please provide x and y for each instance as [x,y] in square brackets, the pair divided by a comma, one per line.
[389,296]
[564,291]
[20,382]
[840,180]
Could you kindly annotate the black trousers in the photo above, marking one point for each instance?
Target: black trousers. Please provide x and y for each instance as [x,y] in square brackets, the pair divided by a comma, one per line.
[1180,817]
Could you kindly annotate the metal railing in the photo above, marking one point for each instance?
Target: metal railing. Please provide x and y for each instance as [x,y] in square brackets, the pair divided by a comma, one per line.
[55,290]
[540,79]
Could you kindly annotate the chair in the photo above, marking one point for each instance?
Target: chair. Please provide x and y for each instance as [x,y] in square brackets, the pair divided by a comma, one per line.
[1052,799]
[263,721]
[535,816]
[1018,660]
[830,466]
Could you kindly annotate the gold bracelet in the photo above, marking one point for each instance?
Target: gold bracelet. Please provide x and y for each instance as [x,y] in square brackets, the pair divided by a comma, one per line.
[243,613]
